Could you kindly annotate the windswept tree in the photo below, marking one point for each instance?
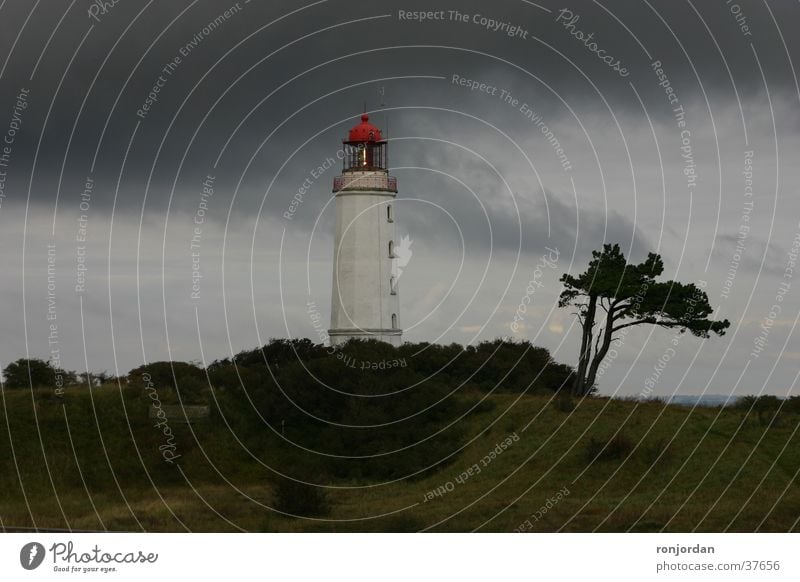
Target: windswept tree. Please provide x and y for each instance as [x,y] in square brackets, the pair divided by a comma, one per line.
[612,295]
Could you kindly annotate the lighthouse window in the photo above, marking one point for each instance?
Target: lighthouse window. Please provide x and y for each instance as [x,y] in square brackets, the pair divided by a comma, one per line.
[391,249]
[389,215]
[393,286]
[394,321]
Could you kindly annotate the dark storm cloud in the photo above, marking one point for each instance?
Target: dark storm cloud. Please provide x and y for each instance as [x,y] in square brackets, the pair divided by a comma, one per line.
[225,99]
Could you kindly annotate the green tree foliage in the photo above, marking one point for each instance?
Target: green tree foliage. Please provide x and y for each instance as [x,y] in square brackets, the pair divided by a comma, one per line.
[36,373]
[766,408]
[173,381]
[613,294]
[369,410]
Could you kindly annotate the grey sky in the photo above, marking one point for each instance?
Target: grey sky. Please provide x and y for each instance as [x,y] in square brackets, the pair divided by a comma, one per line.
[261,99]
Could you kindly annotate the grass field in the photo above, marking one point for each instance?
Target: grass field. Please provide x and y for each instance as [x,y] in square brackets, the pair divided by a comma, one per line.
[93,463]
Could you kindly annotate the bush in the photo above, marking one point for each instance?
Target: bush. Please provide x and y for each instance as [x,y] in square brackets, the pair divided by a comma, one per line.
[792,404]
[616,448]
[367,409]
[759,403]
[299,499]
[168,379]
[35,373]
[764,408]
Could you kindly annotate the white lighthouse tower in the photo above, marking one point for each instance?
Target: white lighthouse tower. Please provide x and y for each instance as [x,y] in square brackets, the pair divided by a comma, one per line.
[365,302]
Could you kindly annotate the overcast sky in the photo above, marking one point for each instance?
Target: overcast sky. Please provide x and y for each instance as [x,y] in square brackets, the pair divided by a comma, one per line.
[555,148]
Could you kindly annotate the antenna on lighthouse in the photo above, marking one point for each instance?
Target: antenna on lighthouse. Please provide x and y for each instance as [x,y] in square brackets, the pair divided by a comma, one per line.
[382,92]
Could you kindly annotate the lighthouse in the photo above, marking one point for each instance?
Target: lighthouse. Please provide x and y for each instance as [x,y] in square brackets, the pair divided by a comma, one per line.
[364,298]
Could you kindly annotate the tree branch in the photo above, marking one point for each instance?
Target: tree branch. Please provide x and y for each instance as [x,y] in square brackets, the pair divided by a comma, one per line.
[618,301]
[637,322]
[620,306]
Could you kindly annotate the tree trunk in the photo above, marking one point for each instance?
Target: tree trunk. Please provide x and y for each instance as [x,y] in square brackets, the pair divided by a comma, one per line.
[601,353]
[579,385]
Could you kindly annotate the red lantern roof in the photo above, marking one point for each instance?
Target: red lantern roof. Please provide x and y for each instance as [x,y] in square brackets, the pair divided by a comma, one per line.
[365,131]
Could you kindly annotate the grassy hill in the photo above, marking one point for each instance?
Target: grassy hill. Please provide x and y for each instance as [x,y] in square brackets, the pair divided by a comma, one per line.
[93,463]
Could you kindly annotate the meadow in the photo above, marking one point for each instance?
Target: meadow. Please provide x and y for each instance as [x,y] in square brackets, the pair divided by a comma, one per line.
[521,462]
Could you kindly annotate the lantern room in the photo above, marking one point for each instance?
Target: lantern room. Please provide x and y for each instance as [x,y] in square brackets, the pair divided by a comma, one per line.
[365,148]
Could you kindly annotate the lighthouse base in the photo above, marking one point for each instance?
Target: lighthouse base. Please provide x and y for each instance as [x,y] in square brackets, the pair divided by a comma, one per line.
[390,336]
